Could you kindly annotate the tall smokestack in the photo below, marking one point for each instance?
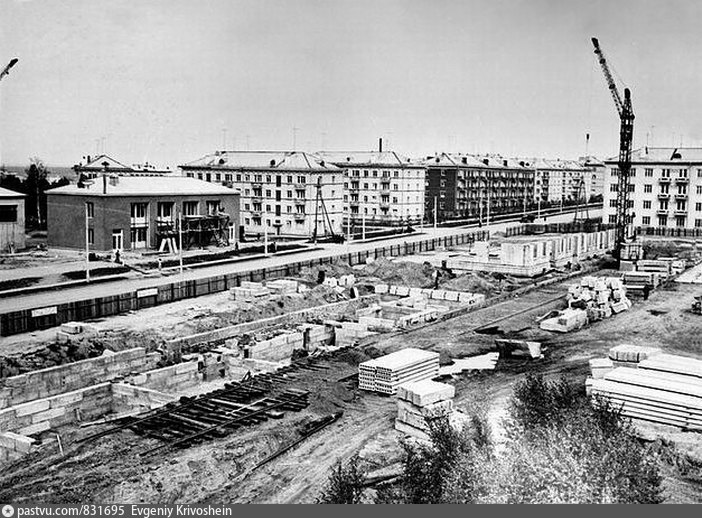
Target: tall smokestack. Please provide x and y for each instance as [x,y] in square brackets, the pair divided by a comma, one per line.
[380,145]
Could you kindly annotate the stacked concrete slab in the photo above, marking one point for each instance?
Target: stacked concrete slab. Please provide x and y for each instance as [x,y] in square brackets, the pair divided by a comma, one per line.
[568,320]
[662,388]
[601,297]
[387,373]
[249,291]
[637,282]
[419,403]
[462,297]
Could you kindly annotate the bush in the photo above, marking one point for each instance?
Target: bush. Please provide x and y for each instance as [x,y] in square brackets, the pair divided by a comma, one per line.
[345,485]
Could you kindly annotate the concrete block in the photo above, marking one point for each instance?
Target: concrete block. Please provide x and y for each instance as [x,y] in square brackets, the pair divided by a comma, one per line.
[392,290]
[186,367]
[47,415]
[20,443]
[452,296]
[35,428]
[402,291]
[32,407]
[69,398]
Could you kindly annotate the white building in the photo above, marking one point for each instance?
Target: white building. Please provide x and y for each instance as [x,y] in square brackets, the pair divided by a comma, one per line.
[279,190]
[665,189]
[385,188]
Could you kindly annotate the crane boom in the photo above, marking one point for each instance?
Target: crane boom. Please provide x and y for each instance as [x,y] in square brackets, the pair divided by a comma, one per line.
[7,68]
[626,137]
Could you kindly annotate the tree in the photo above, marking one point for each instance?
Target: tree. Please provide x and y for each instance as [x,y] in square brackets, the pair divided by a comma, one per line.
[35,185]
[345,484]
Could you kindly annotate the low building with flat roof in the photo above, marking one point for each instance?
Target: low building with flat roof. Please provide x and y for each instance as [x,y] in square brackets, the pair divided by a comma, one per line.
[139,212]
[11,220]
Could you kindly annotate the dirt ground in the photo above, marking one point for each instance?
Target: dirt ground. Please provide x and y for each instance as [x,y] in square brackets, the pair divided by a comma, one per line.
[217,471]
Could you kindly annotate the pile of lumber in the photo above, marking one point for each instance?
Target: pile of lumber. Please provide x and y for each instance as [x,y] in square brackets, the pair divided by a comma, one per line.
[387,373]
[600,297]
[567,320]
[419,403]
[636,282]
[630,355]
[663,388]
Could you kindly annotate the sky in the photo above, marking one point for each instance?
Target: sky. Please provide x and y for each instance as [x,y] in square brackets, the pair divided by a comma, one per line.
[168,81]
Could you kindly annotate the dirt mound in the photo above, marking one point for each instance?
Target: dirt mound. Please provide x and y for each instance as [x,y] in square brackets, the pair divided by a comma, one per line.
[50,356]
[400,273]
[336,269]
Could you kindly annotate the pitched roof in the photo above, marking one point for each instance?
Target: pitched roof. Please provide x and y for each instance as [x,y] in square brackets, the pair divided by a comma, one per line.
[664,155]
[104,162]
[366,158]
[269,160]
[7,193]
[147,186]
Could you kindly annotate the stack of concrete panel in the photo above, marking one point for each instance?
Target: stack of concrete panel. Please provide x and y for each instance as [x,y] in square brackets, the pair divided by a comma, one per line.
[387,373]
[663,389]
[282,286]
[568,320]
[420,402]
[636,282]
[631,355]
[653,265]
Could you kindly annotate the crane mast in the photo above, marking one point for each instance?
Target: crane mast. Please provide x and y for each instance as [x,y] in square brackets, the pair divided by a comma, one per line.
[626,137]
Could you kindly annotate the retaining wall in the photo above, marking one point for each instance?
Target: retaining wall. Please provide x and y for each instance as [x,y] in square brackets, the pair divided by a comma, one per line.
[127,398]
[168,379]
[72,376]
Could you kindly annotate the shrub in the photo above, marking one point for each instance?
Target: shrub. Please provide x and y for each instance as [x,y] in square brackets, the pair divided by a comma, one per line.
[345,484]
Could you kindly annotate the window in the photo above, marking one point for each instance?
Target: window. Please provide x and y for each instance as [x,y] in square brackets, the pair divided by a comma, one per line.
[648,172]
[646,220]
[613,203]
[247,206]
[139,211]
[647,204]
[698,223]
[90,208]
[247,221]
[268,193]
[648,187]
[612,218]
[699,189]
[613,187]
[91,236]
[228,178]
[662,221]
[681,205]
[212,207]
[218,177]
[238,178]
[698,206]
[664,204]
[680,221]
[137,236]
[665,173]
[682,173]
[164,209]
[615,171]
[632,187]
[682,189]
[190,208]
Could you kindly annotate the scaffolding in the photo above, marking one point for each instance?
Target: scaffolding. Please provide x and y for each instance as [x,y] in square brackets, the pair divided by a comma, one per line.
[197,231]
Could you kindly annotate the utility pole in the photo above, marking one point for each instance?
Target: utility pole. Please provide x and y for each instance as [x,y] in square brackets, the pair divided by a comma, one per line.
[265,234]
[5,71]
[363,226]
[87,245]
[180,241]
[435,212]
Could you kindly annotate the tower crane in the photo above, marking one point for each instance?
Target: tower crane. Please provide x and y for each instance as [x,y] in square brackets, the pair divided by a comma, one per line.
[626,135]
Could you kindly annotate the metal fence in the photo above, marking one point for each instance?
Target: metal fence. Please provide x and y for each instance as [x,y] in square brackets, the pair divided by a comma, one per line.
[668,232]
[46,317]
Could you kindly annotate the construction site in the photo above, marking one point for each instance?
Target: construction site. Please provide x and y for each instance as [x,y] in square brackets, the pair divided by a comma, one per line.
[252,394]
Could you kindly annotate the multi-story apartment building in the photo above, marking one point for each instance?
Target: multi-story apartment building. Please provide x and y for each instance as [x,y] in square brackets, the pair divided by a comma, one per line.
[665,188]
[559,180]
[466,185]
[279,190]
[382,187]
[594,177]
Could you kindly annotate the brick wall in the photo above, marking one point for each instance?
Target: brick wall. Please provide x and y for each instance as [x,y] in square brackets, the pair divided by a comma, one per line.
[72,376]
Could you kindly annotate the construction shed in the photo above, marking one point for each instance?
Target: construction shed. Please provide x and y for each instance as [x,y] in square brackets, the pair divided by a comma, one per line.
[141,213]
[11,220]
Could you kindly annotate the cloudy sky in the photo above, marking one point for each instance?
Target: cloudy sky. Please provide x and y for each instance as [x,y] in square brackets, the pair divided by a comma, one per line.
[170,80]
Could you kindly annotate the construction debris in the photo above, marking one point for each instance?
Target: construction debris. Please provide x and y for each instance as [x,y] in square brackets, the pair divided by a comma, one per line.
[483,362]
[387,373]
[568,320]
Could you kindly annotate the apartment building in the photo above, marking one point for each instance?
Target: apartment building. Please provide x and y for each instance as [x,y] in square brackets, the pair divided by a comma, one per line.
[558,180]
[665,188]
[466,185]
[382,187]
[279,190]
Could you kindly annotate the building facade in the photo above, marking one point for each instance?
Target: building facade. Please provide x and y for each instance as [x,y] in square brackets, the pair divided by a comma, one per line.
[382,187]
[12,235]
[139,212]
[665,188]
[103,164]
[287,194]
[465,186]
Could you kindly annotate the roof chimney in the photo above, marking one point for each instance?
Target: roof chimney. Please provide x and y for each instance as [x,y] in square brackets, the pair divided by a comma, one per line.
[114,180]
[104,184]
[380,145]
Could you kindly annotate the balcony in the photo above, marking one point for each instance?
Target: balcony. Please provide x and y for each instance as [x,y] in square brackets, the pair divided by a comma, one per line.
[384,204]
[301,186]
[300,216]
[662,211]
[664,179]
[354,203]
[256,213]
[682,180]
[385,179]
[681,196]
[681,212]
[300,201]
[257,185]
[664,195]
